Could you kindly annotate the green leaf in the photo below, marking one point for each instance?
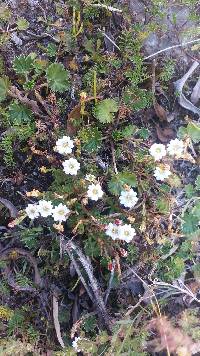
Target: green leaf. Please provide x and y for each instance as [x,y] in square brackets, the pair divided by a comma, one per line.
[117,182]
[193,129]
[22,24]
[58,77]
[136,98]
[23,64]
[4,86]
[91,138]
[5,13]
[182,132]
[196,210]
[197,182]
[144,133]
[104,111]
[51,50]
[93,143]
[19,114]
[189,190]
[190,223]
[163,205]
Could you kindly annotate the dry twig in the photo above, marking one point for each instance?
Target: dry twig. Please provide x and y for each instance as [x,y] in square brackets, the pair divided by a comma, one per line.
[95,294]
[56,321]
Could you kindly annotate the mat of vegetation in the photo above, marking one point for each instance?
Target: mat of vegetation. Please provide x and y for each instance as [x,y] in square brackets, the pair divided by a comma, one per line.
[99,177]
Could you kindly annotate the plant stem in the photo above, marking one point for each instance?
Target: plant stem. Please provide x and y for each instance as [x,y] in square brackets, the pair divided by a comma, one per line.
[95,86]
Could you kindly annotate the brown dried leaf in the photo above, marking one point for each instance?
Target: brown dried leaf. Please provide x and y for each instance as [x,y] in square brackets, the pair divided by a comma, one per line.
[165,134]
[170,338]
[73,115]
[73,65]
[160,111]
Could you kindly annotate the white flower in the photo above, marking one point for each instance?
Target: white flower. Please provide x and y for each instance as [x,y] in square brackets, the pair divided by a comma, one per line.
[32,211]
[112,230]
[128,198]
[64,145]
[158,151]
[90,178]
[175,148]
[71,166]
[45,208]
[60,212]
[75,344]
[162,172]
[126,232]
[94,192]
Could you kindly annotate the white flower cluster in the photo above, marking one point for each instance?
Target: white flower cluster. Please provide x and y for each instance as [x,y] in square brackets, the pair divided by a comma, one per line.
[120,232]
[158,151]
[75,343]
[174,148]
[64,146]
[45,208]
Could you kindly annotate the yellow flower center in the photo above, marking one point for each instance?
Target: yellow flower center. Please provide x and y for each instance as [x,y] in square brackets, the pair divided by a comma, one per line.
[61,212]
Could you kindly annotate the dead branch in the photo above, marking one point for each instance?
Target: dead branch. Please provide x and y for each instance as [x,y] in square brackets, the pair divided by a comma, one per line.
[31,104]
[96,293]
[13,211]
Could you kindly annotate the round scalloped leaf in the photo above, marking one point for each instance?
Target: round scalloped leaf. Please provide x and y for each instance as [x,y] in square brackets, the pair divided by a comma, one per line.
[19,114]
[193,129]
[58,77]
[4,86]
[105,110]
[23,64]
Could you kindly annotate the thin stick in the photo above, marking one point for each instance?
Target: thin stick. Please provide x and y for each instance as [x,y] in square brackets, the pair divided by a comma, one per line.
[113,158]
[171,47]
[95,86]
[86,264]
[109,39]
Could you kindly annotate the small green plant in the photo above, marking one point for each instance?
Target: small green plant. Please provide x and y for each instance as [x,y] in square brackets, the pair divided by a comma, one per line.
[58,77]
[105,110]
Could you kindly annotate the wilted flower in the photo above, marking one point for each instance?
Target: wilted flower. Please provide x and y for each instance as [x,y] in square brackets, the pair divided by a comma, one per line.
[83,95]
[64,145]
[60,212]
[59,227]
[43,169]
[112,230]
[34,193]
[175,148]
[128,198]
[45,208]
[94,192]
[158,151]
[32,211]
[126,232]
[162,172]
[71,166]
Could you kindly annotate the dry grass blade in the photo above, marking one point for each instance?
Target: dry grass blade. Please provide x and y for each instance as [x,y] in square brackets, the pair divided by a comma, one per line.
[56,321]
